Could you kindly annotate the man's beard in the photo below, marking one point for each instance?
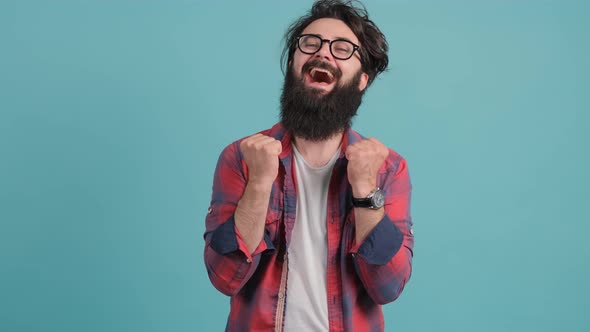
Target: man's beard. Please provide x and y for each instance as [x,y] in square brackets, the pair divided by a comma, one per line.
[308,114]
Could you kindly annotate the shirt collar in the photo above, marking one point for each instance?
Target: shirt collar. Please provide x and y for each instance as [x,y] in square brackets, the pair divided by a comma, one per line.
[280,133]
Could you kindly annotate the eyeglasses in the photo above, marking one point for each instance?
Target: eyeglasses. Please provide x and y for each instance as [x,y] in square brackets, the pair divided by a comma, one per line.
[341,49]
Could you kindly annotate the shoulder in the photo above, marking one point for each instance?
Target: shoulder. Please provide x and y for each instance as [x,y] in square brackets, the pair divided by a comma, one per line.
[277,131]
[395,162]
[233,149]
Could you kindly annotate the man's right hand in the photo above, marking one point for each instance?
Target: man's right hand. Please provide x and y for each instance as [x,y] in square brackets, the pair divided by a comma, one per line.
[261,154]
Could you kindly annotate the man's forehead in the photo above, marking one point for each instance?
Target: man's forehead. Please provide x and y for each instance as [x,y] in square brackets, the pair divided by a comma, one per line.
[331,28]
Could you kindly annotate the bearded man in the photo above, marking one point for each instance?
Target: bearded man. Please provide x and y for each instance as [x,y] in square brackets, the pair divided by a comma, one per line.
[309,226]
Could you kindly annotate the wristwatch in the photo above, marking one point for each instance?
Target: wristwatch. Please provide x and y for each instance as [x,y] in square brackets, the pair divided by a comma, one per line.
[374,201]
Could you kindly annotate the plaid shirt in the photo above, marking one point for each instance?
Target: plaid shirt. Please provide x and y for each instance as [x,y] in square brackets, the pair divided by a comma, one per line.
[360,276]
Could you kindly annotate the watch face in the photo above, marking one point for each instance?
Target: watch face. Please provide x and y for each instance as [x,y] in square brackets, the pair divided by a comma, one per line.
[378,199]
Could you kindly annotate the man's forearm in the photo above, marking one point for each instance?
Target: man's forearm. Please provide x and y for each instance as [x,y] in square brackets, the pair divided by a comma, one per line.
[250,215]
[365,220]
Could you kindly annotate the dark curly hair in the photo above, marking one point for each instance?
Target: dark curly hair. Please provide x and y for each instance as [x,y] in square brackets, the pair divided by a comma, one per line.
[373,48]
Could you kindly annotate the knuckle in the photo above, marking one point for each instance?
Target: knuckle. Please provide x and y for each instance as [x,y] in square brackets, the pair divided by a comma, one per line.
[245,146]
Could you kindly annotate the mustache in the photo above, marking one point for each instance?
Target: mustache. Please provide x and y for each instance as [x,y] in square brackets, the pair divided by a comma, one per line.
[337,73]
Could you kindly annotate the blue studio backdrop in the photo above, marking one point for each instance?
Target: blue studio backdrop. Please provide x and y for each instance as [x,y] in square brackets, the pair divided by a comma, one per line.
[113,114]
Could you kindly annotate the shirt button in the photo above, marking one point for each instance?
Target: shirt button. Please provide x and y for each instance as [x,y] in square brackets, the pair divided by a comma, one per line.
[248,260]
[281,295]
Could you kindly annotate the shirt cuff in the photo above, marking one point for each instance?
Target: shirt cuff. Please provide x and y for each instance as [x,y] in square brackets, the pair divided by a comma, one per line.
[226,239]
[382,243]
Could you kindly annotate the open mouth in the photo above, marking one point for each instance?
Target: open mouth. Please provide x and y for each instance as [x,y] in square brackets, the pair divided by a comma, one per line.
[320,75]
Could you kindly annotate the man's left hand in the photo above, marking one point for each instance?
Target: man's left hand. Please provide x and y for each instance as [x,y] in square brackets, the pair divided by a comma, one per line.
[365,158]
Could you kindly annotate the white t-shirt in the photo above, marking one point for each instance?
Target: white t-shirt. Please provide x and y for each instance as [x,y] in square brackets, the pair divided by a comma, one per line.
[306,302]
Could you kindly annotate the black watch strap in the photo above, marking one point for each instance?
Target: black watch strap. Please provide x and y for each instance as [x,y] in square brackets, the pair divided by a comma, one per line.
[361,202]
[375,200]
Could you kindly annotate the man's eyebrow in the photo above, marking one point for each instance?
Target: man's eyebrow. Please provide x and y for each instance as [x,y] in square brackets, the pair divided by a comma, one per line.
[335,38]
[343,38]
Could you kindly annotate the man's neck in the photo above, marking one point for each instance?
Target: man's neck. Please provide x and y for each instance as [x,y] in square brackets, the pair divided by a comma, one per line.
[318,154]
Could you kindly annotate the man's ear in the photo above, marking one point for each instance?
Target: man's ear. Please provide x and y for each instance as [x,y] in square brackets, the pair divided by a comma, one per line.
[363,81]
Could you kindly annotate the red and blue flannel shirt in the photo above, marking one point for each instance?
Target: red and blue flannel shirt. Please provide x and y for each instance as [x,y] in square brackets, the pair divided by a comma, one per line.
[360,276]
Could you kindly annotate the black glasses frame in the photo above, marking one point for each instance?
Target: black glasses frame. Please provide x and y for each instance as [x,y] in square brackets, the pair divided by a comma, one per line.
[355,47]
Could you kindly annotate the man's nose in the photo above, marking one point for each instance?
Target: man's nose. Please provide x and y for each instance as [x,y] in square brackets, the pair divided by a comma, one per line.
[324,51]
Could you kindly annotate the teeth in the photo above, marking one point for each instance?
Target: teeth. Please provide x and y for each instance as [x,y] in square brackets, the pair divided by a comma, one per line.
[314,70]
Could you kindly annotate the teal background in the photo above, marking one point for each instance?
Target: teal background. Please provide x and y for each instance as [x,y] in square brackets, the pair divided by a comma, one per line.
[113,113]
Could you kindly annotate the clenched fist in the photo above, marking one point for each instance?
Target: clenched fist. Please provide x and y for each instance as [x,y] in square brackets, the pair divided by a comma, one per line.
[365,157]
[261,154]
